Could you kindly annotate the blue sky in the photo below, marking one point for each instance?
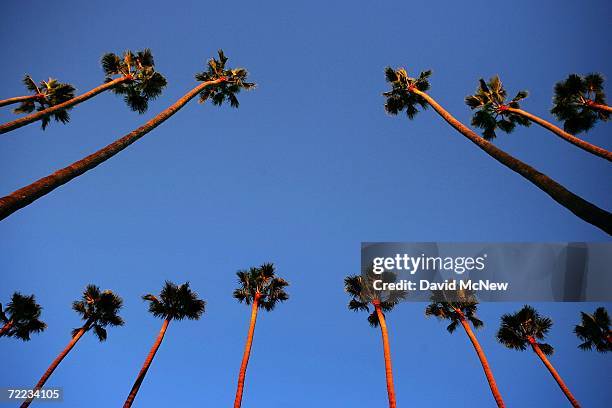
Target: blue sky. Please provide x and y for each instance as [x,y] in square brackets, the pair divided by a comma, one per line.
[306,169]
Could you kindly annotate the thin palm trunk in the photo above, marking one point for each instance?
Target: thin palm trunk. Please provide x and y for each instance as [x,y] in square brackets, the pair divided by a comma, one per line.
[146,365]
[484,362]
[580,207]
[247,353]
[6,327]
[58,360]
[28,194]
[555,375]
[18,99]
[586,146]
[600,107]
[26,120]
[387,352]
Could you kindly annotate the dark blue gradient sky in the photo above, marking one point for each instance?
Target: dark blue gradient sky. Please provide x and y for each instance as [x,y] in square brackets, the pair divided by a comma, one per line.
[306,169]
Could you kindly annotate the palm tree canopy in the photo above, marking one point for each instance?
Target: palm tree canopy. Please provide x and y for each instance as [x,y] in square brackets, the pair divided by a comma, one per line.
[454,306]
[176,302]
[400,97]
[572,99]
[594,331]
[519,329]
[146,84]
[261,283]
[490,104]
[24,313]
[100,309]
[236,81]
[50,93]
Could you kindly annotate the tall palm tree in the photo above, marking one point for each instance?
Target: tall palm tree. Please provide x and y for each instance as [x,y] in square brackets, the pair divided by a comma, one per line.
[132,75]
[361,290]
[21,317]
[493,111]
[594,331]
[219,84]
[406,93]
[460,308]
[175,302]
[527,327]
[580,102]
[260,288]
[98,309]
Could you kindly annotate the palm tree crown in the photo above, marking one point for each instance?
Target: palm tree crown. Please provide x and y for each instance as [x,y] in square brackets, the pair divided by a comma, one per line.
[176,302]
[594,331]
[261,284]
[573,100]
[49,93]
[524,327]
[361,290]
[400,97]
[99,309]
[145,84]
[227,90]
[23,315]
[454,306]
[490,104]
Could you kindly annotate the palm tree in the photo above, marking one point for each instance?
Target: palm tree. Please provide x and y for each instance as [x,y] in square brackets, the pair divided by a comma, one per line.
[594,331]
[133,75]
[21,317]
[260,288]
[219,84]
[580,101]
[98,309]
[361,290]
[493,111]
[460,308]
[174,303]
[526,327]
[406,93]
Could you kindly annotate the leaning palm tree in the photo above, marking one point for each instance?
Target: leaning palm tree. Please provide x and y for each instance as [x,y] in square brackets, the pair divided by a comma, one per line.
[260,288]
[218,84]
[493,112]
[98,309]
[361,290]
[527,327]
[175,302]
[580,102]
[21,317]
[132,75]
[594,331]
[460,308]
[408,93]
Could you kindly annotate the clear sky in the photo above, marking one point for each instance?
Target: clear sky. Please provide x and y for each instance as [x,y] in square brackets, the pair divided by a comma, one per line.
[306,169]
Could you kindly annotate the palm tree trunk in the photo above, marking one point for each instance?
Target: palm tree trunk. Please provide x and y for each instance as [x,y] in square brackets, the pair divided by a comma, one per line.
[387,351]
[600,107]
[147,364]
[580,207]
[484,362]
[247,353]
[555,375]
[18,99]
[6,327]
[26,120]
[28,194]
[586,146]
[58,360]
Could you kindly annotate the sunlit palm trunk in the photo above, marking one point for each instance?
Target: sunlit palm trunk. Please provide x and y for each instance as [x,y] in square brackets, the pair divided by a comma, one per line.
[19,99]
[58,360]
[600,107]
[555,375]
[387,352]
[580,207]
[146,365]
[26,120]
[484,362]
[591,148]
[247,353]
[26,195]
[6,327]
